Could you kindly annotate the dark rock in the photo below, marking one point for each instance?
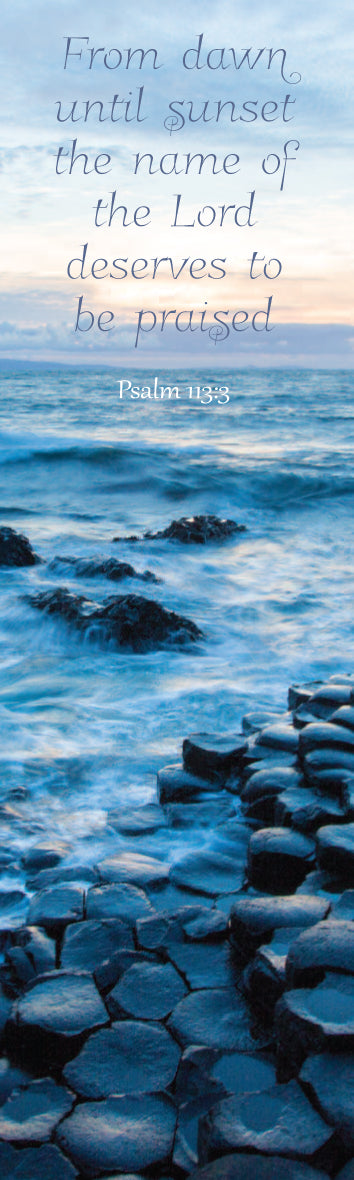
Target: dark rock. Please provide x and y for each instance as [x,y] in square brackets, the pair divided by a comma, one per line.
[328,768]
[241,1073]
[43,856]
[174,783]
[127,620]
[11,1077]
[346,1173]
[278,737]
[325,735]
[253,722]
[311,1020]
[138,821]
[300,694]
[133,868]
[38,1163]
[147,992]
[270,781]
[56,907]
[15,548]
[328,946]
[328,1080]
[205,966]
[119,1133]
[131,1057]
[212,757]
[257,1167]
[55,1014]
[278,858]
[217,1018]
[208,872]
[264,981]
[306,811]
[33,954]
[108,567]
[87,946]
[185,1151]
[344,715]
[107,974]
[118,901]
[208,927]
[80,875]
[253,920]
[335,849]
[197,530]
[206,811]
[32,1112]
[278,1121]
[194,1074]
[344,907]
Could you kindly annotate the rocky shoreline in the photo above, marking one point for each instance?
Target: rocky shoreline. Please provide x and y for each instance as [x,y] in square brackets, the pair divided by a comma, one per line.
[196,1018]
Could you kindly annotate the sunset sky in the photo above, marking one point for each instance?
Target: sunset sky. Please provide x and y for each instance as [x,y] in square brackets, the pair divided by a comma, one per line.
[47,218]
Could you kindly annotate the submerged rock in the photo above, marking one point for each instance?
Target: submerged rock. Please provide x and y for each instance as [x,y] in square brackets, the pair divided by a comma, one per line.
[192,530]
[127,620]
[15,548]
[108,567]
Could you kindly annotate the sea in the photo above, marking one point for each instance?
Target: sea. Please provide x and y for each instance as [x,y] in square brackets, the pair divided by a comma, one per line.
[84,728]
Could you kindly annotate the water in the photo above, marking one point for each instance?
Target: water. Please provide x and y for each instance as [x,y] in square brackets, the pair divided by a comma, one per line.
[83,729]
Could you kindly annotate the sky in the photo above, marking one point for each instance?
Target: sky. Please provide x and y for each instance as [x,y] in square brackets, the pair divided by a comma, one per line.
[301,98]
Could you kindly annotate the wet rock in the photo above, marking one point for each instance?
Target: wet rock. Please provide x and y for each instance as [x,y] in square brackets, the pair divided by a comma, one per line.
[328,946]
[118,901]
[87,946]
[328,1080]
[257,1167]
[33,954]
[346,1173]
[128,620]
[133,868]
[212,757]
[55,1014]
[278,737]
[131,1057]
[108,567]
[328,768]
[253,920]
[32,1112]
[56,907]
[43,856]
[278,1121]
[205,966]
[324,735]
[259,719]
[208,872]
[207,811]
[15,548]
[138,821]
[270,781]
[217,1018]
[14,905]
[264,981]
[119,1133]
[174,784]
[310,1020]
[335,849]
[147,992]
[300,694]
[80,875]
[197,530]
[37,1163]
[306,811]
[345,715]
[277,857]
